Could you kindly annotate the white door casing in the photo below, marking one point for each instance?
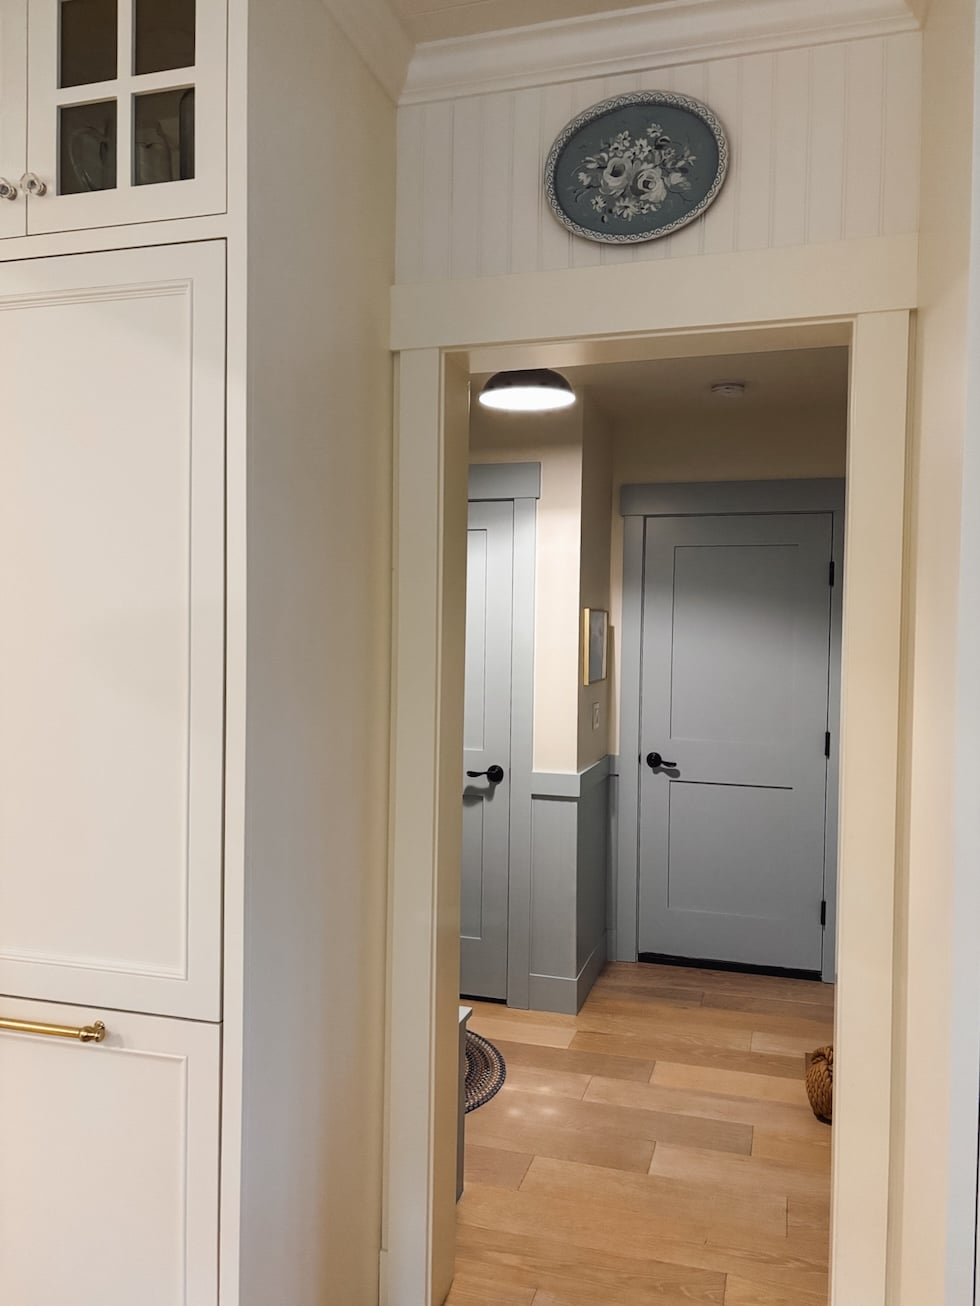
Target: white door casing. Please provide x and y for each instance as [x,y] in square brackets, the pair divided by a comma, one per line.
[735,686]
[487,743]
[111,651]
[109,1192]
[126,202]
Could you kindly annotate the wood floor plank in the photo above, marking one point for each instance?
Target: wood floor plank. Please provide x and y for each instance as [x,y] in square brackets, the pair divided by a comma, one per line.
[524,1117]
[788,1120]
[787,1044]
[577,1061]
[748,1176]
[697,1050]
[529,1258]
[552,1036]
[681,1210]
[806,1155]
[742,1292]
[732,1083]
[496,1166]
[476,1290]
[646,974]
[551,1083]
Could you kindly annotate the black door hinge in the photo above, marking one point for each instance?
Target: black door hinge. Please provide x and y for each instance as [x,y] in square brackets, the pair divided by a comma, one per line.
[833,572]
[823,913]
[826,744]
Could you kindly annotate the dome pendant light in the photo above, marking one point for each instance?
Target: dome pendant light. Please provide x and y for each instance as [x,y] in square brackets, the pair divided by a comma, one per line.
[535,390]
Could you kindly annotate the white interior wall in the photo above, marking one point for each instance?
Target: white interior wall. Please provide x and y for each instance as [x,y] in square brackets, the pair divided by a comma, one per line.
[321,154]
[924,1034]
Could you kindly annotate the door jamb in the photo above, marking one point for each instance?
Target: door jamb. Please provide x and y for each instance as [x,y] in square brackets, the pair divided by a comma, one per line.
[637,503]
[520,484]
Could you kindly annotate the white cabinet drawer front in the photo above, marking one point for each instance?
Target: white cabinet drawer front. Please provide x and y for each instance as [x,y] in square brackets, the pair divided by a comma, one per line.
[109,1193]
[126,111]
[111,644]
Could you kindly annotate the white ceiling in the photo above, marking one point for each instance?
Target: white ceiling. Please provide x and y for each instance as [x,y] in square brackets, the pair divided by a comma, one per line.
[434,20]
[781,381]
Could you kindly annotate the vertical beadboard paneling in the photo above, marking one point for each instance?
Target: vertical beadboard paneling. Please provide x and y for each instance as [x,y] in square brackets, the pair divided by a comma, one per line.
[865,138]
[900,155]
[902,135]
[722,96]
[828,121]
[467,195]
[527,164]
[495,183]
[755,129]
[437,193]
[790,173]
[411,202]
[556,109]
[824,147]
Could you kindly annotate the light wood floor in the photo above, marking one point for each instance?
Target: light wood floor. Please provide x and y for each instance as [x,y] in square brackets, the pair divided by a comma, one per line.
[655,1150]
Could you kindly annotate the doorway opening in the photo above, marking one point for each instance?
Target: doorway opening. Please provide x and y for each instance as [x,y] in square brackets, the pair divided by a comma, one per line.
[427,825]
[680,810]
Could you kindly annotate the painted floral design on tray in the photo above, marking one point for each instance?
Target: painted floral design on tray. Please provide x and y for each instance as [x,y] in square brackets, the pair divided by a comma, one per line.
[631,176]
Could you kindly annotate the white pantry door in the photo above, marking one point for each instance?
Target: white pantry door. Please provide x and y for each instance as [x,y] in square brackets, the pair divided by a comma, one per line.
[486,746]
[108,1161]
[735,682]
[112,632]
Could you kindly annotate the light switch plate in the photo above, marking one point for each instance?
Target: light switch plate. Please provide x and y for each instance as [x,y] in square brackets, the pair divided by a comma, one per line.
[595,716]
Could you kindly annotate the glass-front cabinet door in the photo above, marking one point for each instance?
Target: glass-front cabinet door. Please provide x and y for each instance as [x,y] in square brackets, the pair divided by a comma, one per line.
[126,111]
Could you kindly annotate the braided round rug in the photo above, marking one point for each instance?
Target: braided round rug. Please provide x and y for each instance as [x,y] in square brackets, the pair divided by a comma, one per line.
[485,1071]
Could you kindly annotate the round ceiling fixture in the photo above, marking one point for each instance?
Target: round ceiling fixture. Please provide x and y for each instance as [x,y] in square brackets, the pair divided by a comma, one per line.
[534,390]
[729,389]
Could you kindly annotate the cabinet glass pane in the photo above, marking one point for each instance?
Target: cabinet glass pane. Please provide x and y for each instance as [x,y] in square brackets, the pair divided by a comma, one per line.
[87,147]
[88,41]
[164,35]
[163,137]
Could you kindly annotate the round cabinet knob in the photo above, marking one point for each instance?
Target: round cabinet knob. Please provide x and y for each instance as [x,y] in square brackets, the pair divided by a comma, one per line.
[8,191]
[33,184]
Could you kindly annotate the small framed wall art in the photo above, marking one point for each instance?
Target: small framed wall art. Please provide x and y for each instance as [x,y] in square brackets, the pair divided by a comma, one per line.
[595,644]
[636,167]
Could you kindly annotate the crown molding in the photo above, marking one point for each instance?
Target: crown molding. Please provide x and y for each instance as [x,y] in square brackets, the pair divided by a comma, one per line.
[374,30]
[633,40]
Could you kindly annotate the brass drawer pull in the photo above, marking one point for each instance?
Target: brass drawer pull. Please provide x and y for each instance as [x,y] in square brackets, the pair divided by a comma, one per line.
[81,1034]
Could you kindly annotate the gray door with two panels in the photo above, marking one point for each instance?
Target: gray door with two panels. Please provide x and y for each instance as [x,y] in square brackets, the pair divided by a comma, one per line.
[487,750]
[735,671]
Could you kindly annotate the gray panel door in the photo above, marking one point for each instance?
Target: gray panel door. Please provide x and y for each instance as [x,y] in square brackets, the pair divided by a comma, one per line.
[735,669]
[486,744]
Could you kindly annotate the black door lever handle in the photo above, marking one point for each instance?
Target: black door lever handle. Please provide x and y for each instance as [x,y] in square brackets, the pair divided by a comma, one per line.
[655,762]
[494,774]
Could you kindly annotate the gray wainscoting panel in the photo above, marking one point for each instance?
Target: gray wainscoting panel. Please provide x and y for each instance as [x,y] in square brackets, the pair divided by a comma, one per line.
[569,872]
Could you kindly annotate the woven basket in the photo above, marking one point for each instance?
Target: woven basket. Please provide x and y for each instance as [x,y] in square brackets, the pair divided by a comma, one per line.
[820,1083]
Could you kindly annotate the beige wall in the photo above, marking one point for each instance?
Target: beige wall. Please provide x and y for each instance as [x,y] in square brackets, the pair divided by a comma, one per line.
[923,1003]
[318,661]
[554,440]
[571,570]
[593,744]
[794,445]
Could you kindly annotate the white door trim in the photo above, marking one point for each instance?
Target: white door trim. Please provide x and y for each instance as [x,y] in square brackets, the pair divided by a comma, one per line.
[430,498]
[637,502]
[520,484]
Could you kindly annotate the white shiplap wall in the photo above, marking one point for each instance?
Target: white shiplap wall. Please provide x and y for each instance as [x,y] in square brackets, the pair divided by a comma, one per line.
[825,147]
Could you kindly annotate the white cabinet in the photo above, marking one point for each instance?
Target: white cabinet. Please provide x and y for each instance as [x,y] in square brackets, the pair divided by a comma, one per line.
[113,112]
[108,1161]
[112,638]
